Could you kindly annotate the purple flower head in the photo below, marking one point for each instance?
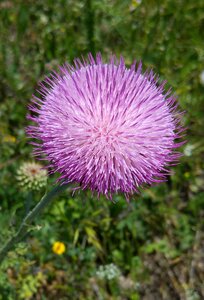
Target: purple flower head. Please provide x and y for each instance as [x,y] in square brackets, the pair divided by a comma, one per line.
[105,126]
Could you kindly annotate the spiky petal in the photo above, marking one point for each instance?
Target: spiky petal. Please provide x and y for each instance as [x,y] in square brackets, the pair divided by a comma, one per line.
[105,126]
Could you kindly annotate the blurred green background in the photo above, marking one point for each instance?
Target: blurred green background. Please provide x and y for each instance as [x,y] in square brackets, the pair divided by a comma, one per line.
[149,249]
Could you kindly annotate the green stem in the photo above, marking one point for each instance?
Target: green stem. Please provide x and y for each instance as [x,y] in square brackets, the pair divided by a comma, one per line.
[23,229]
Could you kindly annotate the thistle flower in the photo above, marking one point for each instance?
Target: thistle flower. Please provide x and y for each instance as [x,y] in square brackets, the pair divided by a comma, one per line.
[105,126]
[31,176]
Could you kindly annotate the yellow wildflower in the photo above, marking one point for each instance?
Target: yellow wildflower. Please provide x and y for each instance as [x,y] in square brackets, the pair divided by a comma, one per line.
[186,175]
[9,139]
[58,248]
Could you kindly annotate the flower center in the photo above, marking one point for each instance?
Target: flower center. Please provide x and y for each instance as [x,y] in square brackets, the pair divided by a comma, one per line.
[33,171]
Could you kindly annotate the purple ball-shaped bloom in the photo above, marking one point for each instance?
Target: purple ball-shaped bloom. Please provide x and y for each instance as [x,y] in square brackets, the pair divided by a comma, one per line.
[105,126]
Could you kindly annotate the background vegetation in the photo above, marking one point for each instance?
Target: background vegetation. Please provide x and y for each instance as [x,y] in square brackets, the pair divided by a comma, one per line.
[153,247]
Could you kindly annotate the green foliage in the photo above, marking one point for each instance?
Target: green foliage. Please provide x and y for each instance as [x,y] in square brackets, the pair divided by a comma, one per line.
[156,241]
